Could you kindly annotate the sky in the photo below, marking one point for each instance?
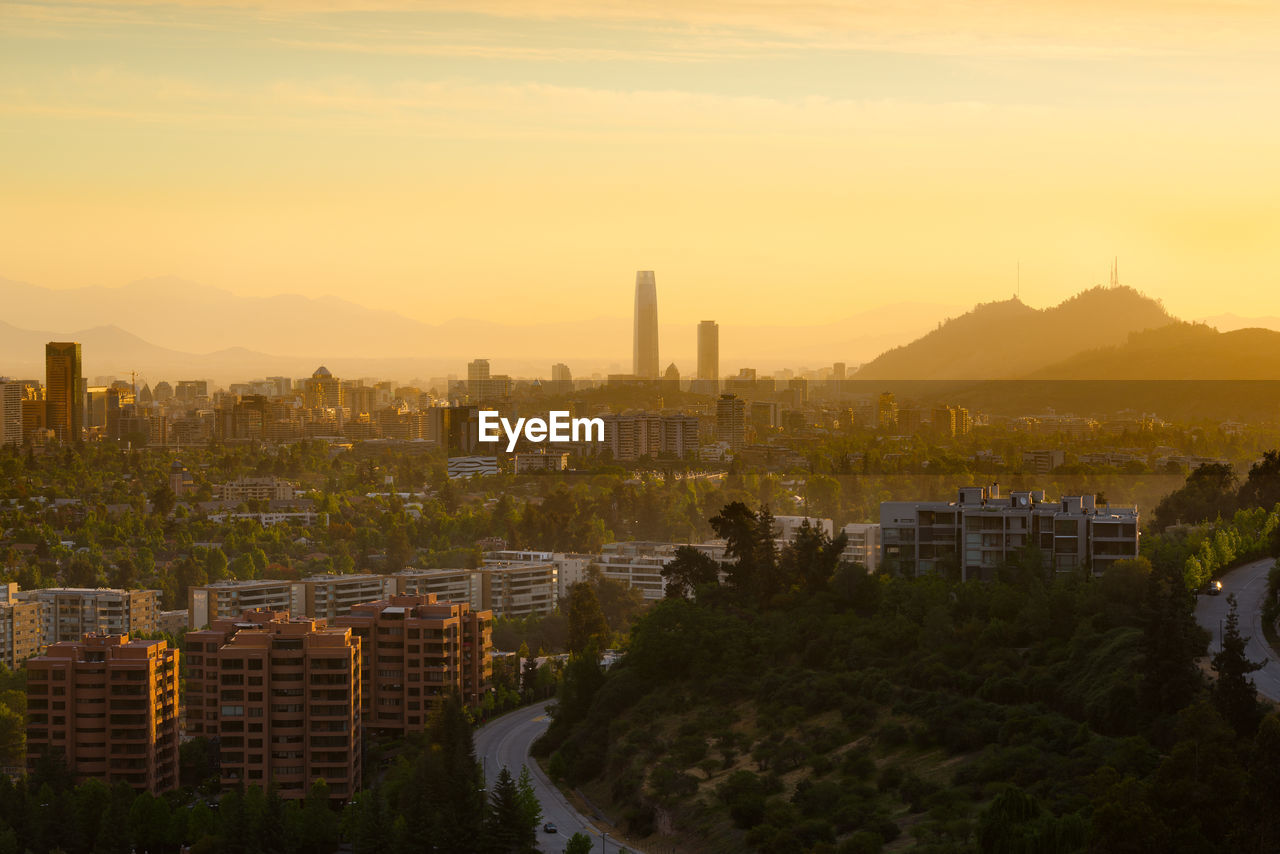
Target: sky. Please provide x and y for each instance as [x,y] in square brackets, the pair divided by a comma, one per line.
[772,160]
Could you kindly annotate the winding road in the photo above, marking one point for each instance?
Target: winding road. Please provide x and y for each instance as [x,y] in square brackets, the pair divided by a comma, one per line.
[1249,584]
[505,743]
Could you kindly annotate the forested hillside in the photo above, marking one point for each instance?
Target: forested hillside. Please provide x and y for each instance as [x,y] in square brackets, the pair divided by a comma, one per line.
[805,706]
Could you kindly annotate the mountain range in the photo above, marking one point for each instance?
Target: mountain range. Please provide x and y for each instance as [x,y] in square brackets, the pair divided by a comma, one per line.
[172,329]
[168,327]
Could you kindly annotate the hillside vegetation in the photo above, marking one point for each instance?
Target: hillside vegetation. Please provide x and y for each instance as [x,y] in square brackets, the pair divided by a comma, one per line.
[808,707]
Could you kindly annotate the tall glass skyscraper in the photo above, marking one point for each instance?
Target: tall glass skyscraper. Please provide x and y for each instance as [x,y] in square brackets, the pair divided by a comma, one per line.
[64,390]
[709,351]
[645,363]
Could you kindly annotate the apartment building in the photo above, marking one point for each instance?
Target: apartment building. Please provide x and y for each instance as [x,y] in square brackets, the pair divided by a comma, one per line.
[981,530]
[283,698]
[447,585]
[20,634]
[637,564]
[863,546]
[70,613]
[632,435]
[318,596]
[518,589]
[414,651]
[254,489]
[223,600]
[109,706]
[570,568]
[541,461]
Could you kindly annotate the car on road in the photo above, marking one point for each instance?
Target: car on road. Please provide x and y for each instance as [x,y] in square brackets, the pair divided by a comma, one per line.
[549,827]
[1213,588]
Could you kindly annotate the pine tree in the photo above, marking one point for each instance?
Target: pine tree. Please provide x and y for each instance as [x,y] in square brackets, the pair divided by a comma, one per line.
[1171,643]
[530,809]
[1234,693]
[502,825]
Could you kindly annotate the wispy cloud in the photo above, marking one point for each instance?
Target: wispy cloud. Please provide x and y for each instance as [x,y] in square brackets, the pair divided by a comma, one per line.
[689,29]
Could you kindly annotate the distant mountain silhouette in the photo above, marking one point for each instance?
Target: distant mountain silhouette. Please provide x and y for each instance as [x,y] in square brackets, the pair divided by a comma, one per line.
[1008,339]
[1182,351]
[173,320]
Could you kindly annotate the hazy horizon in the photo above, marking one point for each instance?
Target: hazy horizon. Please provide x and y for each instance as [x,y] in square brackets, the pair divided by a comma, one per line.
[770,161]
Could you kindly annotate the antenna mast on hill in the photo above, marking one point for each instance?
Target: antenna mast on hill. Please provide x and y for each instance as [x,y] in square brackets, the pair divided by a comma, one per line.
[1115,272]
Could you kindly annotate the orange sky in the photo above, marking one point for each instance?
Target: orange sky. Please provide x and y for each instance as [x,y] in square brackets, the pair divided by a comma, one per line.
[768,159]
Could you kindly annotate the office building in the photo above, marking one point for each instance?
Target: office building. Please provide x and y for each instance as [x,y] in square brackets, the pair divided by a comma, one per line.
[69,613]
[109,706]
[709,350]
[707,380]
[283,699]
[979,531]
[192,391]
[11,395]
[64,391]
[731,420]
[645,350]
[323,391]
[561,379]
[415,651]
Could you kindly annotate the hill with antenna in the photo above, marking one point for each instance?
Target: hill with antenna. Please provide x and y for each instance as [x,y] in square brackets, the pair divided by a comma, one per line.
[1009,339]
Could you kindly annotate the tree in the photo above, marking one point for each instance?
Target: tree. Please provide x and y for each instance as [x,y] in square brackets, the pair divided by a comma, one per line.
[1262,487]
[1234,692]
[1209,492]
[689,570]
[586,618]
[215,565]
[163,500]
[811,558]
[1171,643]
[125,573]
[530,809]
[579,843]
[736,525]
[504,825]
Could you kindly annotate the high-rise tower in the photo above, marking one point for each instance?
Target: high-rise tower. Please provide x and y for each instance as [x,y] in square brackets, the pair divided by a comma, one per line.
[64,390]
[645,363]
[709,353]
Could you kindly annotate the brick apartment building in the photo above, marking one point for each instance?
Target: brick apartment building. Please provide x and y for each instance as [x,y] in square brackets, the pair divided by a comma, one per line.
[109,706]
[282,698]
[415,650]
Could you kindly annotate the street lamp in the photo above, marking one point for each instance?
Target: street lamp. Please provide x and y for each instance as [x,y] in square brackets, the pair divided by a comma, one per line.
[604,840]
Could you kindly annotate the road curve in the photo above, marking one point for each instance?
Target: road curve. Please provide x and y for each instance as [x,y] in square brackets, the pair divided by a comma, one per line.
[1249,584]
[505,742]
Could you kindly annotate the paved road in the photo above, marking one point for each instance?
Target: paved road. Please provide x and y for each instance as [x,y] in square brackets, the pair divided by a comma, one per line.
[505,742]
[1249,584]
